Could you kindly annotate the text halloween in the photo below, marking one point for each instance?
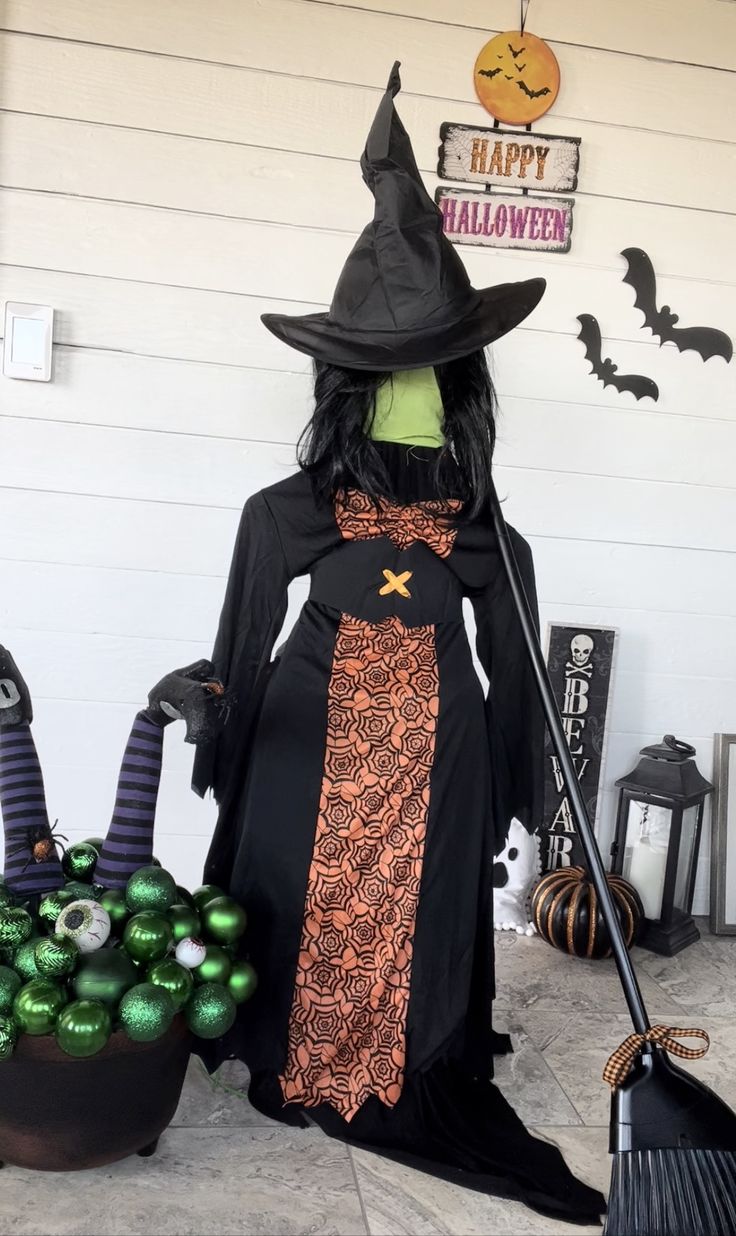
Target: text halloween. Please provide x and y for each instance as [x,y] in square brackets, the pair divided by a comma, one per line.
[579,661]
[506,220]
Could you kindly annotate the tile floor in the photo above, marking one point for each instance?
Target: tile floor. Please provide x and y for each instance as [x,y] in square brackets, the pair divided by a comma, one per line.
[222,1168]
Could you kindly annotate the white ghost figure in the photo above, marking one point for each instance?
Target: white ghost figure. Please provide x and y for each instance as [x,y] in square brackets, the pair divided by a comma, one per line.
[514,871]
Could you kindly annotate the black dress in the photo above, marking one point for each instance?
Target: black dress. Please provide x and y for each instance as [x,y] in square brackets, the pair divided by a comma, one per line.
[365,785]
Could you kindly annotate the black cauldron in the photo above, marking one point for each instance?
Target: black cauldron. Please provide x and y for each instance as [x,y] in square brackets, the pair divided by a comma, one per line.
[61,1114]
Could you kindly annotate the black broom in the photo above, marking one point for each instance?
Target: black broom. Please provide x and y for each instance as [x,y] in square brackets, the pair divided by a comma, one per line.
[673,1139]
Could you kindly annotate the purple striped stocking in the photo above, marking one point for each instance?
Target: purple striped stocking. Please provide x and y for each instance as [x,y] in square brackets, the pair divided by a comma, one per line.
[129,841]
[25,819]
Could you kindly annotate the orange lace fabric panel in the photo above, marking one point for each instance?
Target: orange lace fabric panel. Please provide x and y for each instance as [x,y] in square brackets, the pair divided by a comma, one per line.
[347,1028]
[358,519]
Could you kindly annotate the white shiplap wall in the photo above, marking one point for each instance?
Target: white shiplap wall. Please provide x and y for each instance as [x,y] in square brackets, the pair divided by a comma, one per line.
[169,171]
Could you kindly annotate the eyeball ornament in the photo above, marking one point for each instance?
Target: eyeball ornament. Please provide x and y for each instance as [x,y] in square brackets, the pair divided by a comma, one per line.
[87,923]
[190,952]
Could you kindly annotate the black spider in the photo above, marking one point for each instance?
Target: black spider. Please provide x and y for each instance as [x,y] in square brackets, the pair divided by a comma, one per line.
[42,840]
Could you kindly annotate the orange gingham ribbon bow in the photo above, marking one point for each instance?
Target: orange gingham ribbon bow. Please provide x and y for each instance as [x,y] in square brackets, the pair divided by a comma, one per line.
[619,1064]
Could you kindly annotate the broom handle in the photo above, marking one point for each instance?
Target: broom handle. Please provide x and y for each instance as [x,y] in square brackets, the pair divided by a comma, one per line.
[577,804]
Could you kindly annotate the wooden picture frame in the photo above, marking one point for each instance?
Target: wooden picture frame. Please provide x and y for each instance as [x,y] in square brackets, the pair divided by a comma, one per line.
[723,838]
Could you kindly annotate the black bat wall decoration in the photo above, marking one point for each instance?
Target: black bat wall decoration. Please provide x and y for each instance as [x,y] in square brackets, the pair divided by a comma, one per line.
[605,370]
[705,340]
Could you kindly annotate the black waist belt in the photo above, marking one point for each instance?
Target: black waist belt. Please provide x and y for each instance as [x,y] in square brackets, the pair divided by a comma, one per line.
[373,580]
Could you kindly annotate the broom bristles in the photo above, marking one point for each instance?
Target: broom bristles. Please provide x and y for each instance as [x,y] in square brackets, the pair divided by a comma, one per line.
[672,1193]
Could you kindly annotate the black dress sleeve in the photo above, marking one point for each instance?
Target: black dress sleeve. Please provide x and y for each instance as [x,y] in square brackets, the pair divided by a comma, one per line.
[514,716]
[252,615]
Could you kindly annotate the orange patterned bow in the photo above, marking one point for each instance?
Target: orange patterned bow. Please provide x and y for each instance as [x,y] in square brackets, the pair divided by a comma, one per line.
[619,1064]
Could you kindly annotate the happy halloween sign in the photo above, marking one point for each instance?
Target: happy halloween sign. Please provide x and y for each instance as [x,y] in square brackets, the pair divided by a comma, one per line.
[514,160]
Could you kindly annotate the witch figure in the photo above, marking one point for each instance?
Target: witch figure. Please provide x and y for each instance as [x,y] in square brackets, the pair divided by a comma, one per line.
[365,784]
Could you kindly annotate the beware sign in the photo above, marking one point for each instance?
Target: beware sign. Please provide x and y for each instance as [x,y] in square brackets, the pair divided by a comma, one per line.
[509,158]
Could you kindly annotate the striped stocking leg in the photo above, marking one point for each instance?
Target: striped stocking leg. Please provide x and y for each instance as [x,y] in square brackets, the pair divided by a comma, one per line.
[129,841]
[32,865]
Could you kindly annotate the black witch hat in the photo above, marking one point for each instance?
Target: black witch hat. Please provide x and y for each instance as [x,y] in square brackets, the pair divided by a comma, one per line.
[404,299]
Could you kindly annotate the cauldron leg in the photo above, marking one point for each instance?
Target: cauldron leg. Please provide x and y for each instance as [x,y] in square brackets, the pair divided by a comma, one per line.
[146,1151]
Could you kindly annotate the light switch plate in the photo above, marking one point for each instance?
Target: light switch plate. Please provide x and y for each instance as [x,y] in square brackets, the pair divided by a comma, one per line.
[29,331]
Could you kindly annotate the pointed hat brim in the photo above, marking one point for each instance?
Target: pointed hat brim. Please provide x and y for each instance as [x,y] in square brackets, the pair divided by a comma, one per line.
[498,310]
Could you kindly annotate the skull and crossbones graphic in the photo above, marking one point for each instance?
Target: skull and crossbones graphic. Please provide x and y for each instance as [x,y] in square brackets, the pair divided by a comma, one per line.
[581,650]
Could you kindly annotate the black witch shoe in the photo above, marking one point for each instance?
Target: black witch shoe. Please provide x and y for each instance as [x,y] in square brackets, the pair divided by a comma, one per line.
[15,699]
[194,694]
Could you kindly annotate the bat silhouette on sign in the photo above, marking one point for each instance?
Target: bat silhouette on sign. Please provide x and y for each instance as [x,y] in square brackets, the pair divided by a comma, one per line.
[605,370]
[516,52]
[488,72]
[533,94]
[705,340]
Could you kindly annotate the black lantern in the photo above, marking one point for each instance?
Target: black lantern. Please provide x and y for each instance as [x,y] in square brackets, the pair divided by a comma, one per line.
[658,826]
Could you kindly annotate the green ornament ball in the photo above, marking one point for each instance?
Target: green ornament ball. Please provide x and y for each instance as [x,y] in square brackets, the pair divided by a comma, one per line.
[96,843]
[24,960]
[146,1012]
[184,921]
[172,977]
[216,966]
[56,956]
[242,982]
[6,897]
[184,897]
[223,920]
[205,893]
[79,861]
[37,1006]
[113,900]
[8,1036]
[211,1011]
[150,888]
[10,984]
[147,936]
[16,926]
[51,906]
[81,890]
[83,1028]
[105,975]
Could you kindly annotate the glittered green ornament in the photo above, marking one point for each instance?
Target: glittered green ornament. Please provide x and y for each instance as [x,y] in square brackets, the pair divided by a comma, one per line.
[223,920]
[147,936]
[146,1012]
[10,984]
[175,979]
[184,921]
[113,900]
[105,975]
[56,956]
[83,1028]
[205,893]
[78,862]
[242,982]
[24,960]
[16,926]
[150,888]
[216,966]
[211,1011]
[8,1036]
[37,1006]
[96,843]
[51,906]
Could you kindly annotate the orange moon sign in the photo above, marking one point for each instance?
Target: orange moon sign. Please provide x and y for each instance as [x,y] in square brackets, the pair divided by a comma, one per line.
[516,77]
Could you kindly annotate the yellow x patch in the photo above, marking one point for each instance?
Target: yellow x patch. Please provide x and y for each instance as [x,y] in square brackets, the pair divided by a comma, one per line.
[396,583]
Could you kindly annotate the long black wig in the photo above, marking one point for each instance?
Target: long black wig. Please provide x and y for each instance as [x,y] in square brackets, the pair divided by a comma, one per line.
[337,452]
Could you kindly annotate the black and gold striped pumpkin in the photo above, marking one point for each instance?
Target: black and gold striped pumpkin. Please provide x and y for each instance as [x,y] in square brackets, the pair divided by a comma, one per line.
[566,912]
